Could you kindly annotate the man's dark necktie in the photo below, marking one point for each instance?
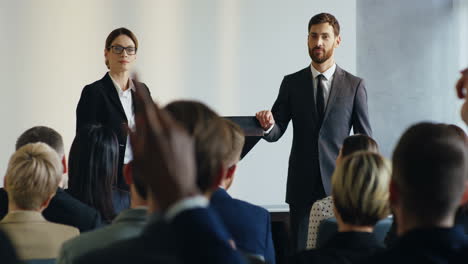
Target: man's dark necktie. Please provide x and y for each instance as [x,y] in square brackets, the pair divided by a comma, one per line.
[320,101]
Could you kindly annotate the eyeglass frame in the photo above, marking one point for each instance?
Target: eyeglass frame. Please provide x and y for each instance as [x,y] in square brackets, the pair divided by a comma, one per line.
[123,48]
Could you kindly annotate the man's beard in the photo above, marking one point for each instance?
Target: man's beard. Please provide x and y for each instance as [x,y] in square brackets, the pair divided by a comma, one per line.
[325,55]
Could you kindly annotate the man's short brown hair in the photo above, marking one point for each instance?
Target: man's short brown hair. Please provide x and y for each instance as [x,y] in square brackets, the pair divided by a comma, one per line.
[33,175]
[210,134]
[42,134]
[325,18]
[236,143]
[430,169]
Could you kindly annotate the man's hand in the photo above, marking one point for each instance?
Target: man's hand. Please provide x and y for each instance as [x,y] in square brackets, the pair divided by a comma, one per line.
[462,87]
[164,155]
[266,119]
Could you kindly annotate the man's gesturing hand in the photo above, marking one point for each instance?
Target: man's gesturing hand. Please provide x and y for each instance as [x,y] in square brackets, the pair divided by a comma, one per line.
[266,119]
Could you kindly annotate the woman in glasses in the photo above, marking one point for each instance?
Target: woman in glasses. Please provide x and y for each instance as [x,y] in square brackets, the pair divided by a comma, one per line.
[109,101]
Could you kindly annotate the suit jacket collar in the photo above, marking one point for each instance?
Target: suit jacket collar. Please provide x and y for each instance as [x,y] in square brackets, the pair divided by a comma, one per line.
[131,215]
[335,90]
[23,217]
[111,91]
[433,238]
[352,240]
[221,193]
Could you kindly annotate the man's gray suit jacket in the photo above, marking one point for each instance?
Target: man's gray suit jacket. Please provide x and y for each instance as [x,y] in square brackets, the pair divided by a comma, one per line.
[127,224]
[315,148]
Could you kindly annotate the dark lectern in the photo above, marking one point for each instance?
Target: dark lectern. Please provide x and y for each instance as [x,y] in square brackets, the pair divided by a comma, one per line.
[252,130]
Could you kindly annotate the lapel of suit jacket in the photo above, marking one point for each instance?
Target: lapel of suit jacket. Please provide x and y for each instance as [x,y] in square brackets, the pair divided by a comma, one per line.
[111,91]
[336,86]
[309,90]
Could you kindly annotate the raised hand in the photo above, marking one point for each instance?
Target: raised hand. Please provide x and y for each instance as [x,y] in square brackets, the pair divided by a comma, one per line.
[266,119]
[164,155]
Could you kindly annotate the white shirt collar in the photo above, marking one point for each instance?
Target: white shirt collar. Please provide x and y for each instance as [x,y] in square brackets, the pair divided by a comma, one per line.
[327,74]
[119,89]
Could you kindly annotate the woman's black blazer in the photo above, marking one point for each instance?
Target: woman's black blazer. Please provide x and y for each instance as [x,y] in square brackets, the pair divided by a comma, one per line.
[100,104]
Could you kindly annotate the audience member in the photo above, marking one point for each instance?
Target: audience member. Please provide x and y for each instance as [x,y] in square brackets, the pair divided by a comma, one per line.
[168,160]
[360,200]
[127,224]
[461,217]
[429,179]
[462,92]
[250,225]
[323,209]
[93,166]
[31,180]
[63,208]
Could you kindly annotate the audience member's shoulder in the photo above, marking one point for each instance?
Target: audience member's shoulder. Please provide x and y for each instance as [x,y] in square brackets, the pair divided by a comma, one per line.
[64,229]
[66,209]
[254,208]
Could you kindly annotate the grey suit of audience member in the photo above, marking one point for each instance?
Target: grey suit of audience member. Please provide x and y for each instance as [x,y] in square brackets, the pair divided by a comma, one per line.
[127,224]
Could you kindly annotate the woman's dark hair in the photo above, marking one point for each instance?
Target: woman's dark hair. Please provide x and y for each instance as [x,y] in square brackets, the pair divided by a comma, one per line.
[358,142]
[92,168]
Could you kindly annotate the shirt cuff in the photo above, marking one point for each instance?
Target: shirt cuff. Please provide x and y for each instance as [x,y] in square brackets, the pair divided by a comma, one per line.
[266,132]
[198,201]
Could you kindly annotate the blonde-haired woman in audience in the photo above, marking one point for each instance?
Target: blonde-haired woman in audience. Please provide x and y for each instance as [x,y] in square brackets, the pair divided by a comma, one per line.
[323,209]
[33,175]
[360,199]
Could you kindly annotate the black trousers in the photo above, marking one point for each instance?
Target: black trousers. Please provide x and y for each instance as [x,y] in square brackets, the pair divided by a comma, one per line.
[299,226]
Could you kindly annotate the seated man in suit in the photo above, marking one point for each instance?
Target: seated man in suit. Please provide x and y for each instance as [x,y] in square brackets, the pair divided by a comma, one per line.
[360,199]
[250,225]
[429,179]
[169,158]
[63,208]
[31,180]
[127,224]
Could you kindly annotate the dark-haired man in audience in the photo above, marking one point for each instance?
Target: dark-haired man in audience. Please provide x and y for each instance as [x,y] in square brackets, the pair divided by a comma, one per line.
[250,225]
[170,156]
[63,208]
[127,224]
[429,179]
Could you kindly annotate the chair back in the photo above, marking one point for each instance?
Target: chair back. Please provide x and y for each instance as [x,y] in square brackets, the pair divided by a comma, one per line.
[329,227]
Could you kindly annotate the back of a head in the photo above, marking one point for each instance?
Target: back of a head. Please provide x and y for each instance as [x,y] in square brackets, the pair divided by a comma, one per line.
[93,165]
[430,169]
[358,142]
[33,175]
[211,138]
[42,134]
[360,188]
[237,142]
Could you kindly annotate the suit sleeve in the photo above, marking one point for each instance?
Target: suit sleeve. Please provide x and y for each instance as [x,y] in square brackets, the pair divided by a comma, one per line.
[281,112]
[86,111]
[360,116]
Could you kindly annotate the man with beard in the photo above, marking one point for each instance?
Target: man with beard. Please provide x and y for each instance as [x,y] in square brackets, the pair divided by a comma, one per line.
[324,102]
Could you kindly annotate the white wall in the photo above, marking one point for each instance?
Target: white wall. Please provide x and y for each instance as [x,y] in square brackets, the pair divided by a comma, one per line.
[230,54]
[409,53]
